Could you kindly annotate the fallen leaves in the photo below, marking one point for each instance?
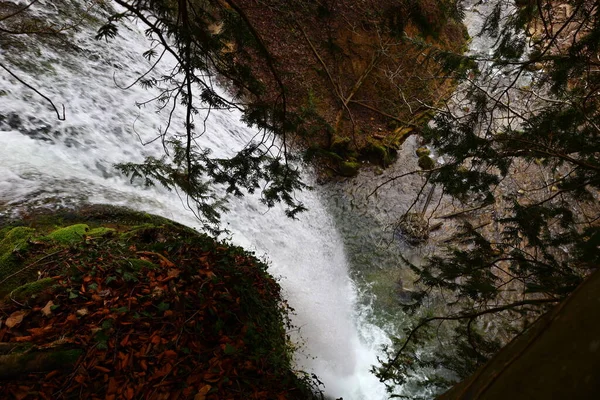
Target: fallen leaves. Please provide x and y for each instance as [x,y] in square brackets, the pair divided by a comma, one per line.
[164,262]
[15,318]
[82,312]
[176,331]
[47,310]
[201,395]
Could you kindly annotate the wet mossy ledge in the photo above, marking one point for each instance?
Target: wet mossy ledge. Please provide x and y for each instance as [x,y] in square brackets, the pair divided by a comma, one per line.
[104,302]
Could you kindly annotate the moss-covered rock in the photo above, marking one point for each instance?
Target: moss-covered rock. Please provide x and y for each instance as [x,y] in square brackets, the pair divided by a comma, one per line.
[349,168]
[100,232]
[378,153]
[31,289]
[154,284]
[4,231]
[12,247]
[15,240]
[422,151]
[426,162]
[341,146]
[70,234]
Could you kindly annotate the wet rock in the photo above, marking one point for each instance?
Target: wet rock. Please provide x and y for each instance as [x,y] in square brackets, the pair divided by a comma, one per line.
[405,297]
[425,162]
[349,168]
[414,228]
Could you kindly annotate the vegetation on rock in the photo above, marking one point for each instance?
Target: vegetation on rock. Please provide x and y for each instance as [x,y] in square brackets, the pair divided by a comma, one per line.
[150,309]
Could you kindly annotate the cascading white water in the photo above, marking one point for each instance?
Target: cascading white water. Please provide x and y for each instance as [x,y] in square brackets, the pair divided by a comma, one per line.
[43,160]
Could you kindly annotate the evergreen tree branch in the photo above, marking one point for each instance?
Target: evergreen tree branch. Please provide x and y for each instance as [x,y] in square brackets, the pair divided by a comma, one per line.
[462,316]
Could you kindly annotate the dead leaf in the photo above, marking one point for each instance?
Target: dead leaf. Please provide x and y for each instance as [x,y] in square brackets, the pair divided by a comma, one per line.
[39,331]
[124,341]
[15,318]
[47,310]
[212,378]
[20,393]
[173,273]
[52,374]
[81,312]
[72,318]
[112,386]
[164,262]
[129,393]
[201,395]
[102,369]
[157,292]
[169,354]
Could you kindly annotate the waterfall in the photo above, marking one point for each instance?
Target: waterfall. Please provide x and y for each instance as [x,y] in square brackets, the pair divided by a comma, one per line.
[46,162]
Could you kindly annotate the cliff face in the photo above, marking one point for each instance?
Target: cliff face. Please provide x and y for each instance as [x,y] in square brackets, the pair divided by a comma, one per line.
[358,74]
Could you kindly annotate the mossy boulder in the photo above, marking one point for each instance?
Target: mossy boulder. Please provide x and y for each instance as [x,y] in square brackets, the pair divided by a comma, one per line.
[76,233]
[31,289]
[349,168]
[70,234]
[423,151]
[378,153]
[341,146]
[15,240]
[426,162]
[155,292]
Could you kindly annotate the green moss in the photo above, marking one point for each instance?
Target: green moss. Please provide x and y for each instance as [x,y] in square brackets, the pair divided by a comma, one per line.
[349,168]
[102,231]
[14,241]
[425,162]
[341,146]
[4,231]
[70,235]
[398,137]
[12,246]
[423,151]
[137,230]
[378,153]
[23,293]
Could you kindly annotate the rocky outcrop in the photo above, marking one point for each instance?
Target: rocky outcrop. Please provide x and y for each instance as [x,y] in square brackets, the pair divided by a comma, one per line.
[118,304]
